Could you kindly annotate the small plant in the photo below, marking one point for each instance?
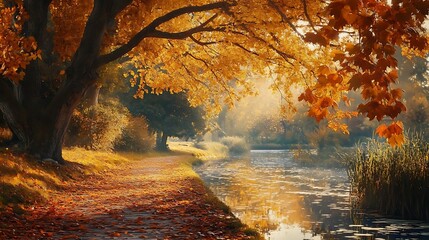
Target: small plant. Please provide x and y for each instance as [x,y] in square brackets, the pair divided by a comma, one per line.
[236,145]
[98,127]
[394,181]
[136,136]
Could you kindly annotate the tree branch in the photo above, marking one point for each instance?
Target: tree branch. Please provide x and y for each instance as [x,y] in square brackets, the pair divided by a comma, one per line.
[184,34]
[118,6]
[220,81]
[199,42]
[80,75]
[192,75]
[245,49]
[285,18]
[36,26]
[304,2]
[284,55]
[150,30]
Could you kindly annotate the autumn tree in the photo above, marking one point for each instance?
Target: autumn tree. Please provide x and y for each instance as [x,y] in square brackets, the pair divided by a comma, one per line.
[52,49]
[168,115]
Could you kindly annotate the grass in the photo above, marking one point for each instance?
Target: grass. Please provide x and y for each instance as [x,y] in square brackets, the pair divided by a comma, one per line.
[203,151]
[236,145]
[24,180]
[393,181]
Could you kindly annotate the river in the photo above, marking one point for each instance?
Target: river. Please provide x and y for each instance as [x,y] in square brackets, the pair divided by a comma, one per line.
[269,191]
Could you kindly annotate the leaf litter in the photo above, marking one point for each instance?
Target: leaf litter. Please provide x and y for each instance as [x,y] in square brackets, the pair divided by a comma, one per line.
[154,198]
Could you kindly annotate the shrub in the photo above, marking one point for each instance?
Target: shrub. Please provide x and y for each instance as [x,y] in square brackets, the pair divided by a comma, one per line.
[214,150]
[235,145]
[98,127]
[136,136]
[394,181]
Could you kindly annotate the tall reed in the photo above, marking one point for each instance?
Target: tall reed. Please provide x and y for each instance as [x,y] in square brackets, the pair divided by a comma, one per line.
[392,180]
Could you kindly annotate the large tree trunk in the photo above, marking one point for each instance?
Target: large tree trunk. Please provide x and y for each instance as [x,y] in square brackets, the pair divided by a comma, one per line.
[48,124]
[40,122]
[40,131]
[161,141]
[91,96]
[48,135]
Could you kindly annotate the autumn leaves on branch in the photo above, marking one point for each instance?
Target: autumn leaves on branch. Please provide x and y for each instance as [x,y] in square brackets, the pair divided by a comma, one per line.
[209,48]
[364,60]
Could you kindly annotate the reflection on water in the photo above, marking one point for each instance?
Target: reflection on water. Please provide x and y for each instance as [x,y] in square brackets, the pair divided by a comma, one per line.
[270,192]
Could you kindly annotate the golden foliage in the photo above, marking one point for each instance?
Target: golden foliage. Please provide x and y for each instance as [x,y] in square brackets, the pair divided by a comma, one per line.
[325,48]
[16,51]
[69,17]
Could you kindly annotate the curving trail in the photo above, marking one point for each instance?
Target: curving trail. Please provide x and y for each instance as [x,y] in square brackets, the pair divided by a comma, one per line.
[154,198]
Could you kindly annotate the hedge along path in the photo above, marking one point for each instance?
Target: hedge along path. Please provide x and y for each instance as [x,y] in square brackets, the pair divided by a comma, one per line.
[154,198]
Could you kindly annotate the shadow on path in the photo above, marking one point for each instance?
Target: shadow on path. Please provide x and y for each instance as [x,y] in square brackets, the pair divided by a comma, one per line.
[155,198]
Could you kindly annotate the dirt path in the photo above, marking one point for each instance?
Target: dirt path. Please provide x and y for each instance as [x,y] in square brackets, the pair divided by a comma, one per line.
[155,198]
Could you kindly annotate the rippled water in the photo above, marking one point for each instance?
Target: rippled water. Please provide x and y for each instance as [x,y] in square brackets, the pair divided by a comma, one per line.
[272,193]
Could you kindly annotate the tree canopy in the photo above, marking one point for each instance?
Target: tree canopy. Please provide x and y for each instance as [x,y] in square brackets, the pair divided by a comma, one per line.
[168,114]
[52,49]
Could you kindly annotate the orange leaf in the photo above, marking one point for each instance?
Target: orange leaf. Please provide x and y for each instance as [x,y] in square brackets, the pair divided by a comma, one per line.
[316,38]
[381,130]
[324,70]
[396,93]
[396,140]
[396,128]
[355,82]
[393,75]
[348,15]
[307,96]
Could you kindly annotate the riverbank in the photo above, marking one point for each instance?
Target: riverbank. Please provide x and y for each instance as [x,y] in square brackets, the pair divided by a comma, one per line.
[269,191]
[113,196]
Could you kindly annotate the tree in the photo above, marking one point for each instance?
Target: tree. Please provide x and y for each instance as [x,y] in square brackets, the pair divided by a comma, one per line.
[53,49]
[169,115]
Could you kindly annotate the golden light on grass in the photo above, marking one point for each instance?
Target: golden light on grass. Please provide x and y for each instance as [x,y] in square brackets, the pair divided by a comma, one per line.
[203,151]
[25,179]
[391,180]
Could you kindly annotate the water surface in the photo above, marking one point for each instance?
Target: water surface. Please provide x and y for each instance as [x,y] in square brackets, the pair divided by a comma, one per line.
[267,190]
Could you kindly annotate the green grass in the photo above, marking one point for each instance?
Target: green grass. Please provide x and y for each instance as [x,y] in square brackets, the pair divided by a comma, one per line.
[393,181]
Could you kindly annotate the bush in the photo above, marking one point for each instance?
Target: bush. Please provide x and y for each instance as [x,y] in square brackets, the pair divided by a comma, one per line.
[98,127]
[235,145]
[394,181]
[136,136]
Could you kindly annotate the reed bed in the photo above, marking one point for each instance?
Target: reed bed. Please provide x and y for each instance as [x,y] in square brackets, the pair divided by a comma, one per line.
[392,180]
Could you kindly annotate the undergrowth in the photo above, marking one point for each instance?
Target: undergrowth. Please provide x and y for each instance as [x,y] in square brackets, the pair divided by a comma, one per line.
[392,180]
[236,145]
